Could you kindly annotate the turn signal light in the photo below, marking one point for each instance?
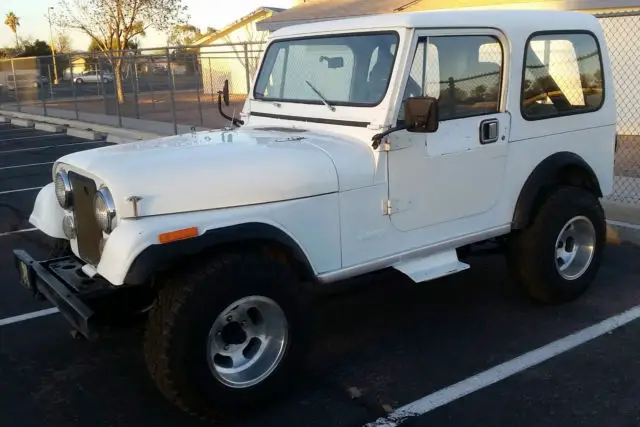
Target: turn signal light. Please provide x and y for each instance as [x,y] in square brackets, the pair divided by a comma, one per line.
[172,236]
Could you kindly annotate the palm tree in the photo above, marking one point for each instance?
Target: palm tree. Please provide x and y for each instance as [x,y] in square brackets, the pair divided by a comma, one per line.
[13,22]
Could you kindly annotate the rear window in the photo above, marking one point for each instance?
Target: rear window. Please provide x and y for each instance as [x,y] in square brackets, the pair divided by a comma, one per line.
[562,76]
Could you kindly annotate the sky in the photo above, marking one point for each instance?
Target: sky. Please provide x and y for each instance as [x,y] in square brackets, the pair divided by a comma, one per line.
[203,14]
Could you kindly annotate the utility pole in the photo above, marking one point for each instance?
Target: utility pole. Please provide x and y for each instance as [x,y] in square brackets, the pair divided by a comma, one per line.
[53,49]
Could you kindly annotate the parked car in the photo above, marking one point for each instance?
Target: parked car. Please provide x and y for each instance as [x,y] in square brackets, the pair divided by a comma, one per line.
[23,81]
[401,142]
[94,76]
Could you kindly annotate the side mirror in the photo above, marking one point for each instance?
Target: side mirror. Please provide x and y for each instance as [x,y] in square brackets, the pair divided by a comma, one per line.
[225,93]
[421,114]
[336,62]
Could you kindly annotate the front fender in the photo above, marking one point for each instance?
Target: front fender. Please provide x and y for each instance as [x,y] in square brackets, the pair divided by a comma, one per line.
[132,252]
[47,214]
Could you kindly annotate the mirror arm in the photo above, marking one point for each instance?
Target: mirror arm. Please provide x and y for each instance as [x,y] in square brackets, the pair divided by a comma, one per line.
[377,138]
[235,121]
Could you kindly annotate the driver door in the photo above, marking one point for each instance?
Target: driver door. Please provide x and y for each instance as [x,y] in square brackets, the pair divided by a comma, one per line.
[456,172]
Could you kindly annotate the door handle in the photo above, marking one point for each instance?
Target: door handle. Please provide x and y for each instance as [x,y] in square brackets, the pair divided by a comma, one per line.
[489,131]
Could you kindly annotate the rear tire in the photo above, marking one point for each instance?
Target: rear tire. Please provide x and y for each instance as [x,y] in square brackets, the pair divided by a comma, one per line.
[557,256]
[206,310]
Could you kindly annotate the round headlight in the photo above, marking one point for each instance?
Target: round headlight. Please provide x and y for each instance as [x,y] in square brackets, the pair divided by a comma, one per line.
[63,189]
[105,210]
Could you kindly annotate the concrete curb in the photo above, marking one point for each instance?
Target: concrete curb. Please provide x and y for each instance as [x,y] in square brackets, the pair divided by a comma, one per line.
[623,233]
[91,135]
[48,127]
[621,212]
[75,127]
[25,123]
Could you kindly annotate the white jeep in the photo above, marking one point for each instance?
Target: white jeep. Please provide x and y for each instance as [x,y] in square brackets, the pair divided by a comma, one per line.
[399,141]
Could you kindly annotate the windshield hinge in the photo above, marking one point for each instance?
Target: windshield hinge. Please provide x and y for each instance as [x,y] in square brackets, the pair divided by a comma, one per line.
[376,127]
[387,207]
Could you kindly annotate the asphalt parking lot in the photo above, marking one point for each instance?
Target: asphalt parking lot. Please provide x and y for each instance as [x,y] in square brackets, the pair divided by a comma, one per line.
[377,347]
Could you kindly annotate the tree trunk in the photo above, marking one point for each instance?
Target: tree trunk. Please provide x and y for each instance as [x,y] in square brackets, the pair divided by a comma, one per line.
[117,69]
[17,41]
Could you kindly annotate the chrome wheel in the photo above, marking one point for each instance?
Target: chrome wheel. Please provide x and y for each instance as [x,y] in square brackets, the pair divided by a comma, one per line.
[575,247]
[247,341]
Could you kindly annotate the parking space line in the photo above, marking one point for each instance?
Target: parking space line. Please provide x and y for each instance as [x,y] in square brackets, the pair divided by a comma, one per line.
[27,316]
[25,166]
[19,190]
[20,138]
[24,230]
[505,370]
[51,146]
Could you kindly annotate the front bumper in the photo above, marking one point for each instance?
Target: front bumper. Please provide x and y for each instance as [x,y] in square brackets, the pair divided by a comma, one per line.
[64,284]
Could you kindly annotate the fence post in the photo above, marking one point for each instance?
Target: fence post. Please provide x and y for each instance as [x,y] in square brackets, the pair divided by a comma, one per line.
[134,84]
[15,84]
[41,92]
[98,60]
[74,86]
[247,68]
[213,99]
[171,97]
[196,68]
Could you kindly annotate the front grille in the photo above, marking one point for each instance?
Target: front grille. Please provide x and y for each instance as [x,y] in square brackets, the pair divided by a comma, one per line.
[87,230]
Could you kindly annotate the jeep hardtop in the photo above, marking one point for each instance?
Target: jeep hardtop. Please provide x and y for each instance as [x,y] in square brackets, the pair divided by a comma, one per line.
[390,142]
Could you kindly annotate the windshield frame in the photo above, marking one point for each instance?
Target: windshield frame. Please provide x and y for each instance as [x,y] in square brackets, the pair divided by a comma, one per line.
[318,101]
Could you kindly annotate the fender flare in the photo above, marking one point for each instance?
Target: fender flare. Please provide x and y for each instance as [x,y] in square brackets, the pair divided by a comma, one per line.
[158,257]
[555,169]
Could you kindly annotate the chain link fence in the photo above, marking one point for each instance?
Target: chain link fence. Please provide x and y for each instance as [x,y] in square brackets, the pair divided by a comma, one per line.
[173,87]
[177,87]
[622,32]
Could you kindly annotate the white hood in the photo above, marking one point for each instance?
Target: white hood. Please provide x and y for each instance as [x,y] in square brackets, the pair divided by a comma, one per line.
[219,169]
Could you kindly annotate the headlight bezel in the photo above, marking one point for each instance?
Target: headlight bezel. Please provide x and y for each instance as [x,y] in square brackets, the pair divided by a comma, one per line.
[63,177]
[105,196]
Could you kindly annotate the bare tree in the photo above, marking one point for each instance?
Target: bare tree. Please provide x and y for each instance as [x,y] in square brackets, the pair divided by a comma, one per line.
[62,43]
[254,40]
[112,24]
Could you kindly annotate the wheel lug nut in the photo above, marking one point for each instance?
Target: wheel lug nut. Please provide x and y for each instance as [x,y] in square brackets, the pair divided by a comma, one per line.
[226,347]
[229,318]
[244,324]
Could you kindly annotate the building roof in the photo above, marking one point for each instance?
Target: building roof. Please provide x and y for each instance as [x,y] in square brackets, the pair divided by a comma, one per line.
[508,20]
[318,10]
[264,11]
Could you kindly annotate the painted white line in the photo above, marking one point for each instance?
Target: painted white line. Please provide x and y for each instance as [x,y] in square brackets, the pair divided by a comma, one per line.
[50,146]
[26,166]
[624,224]
[24,230]
[27,316]
[21,138]
[19,190]
[505,370]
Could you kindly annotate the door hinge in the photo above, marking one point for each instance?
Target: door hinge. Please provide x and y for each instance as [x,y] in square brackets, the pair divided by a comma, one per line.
[391,206]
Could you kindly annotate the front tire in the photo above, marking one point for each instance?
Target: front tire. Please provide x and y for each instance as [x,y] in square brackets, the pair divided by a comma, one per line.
[556,258]
[228,334]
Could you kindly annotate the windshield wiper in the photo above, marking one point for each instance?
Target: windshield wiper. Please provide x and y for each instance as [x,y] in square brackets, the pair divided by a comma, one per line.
[331,107]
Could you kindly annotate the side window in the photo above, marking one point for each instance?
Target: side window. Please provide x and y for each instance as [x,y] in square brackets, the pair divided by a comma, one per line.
[463,72]
[563,75]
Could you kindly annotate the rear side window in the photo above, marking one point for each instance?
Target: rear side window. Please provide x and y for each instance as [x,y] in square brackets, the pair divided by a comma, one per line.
[562,76]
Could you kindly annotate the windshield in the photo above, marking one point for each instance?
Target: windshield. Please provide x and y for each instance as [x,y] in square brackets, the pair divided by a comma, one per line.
[348,70]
